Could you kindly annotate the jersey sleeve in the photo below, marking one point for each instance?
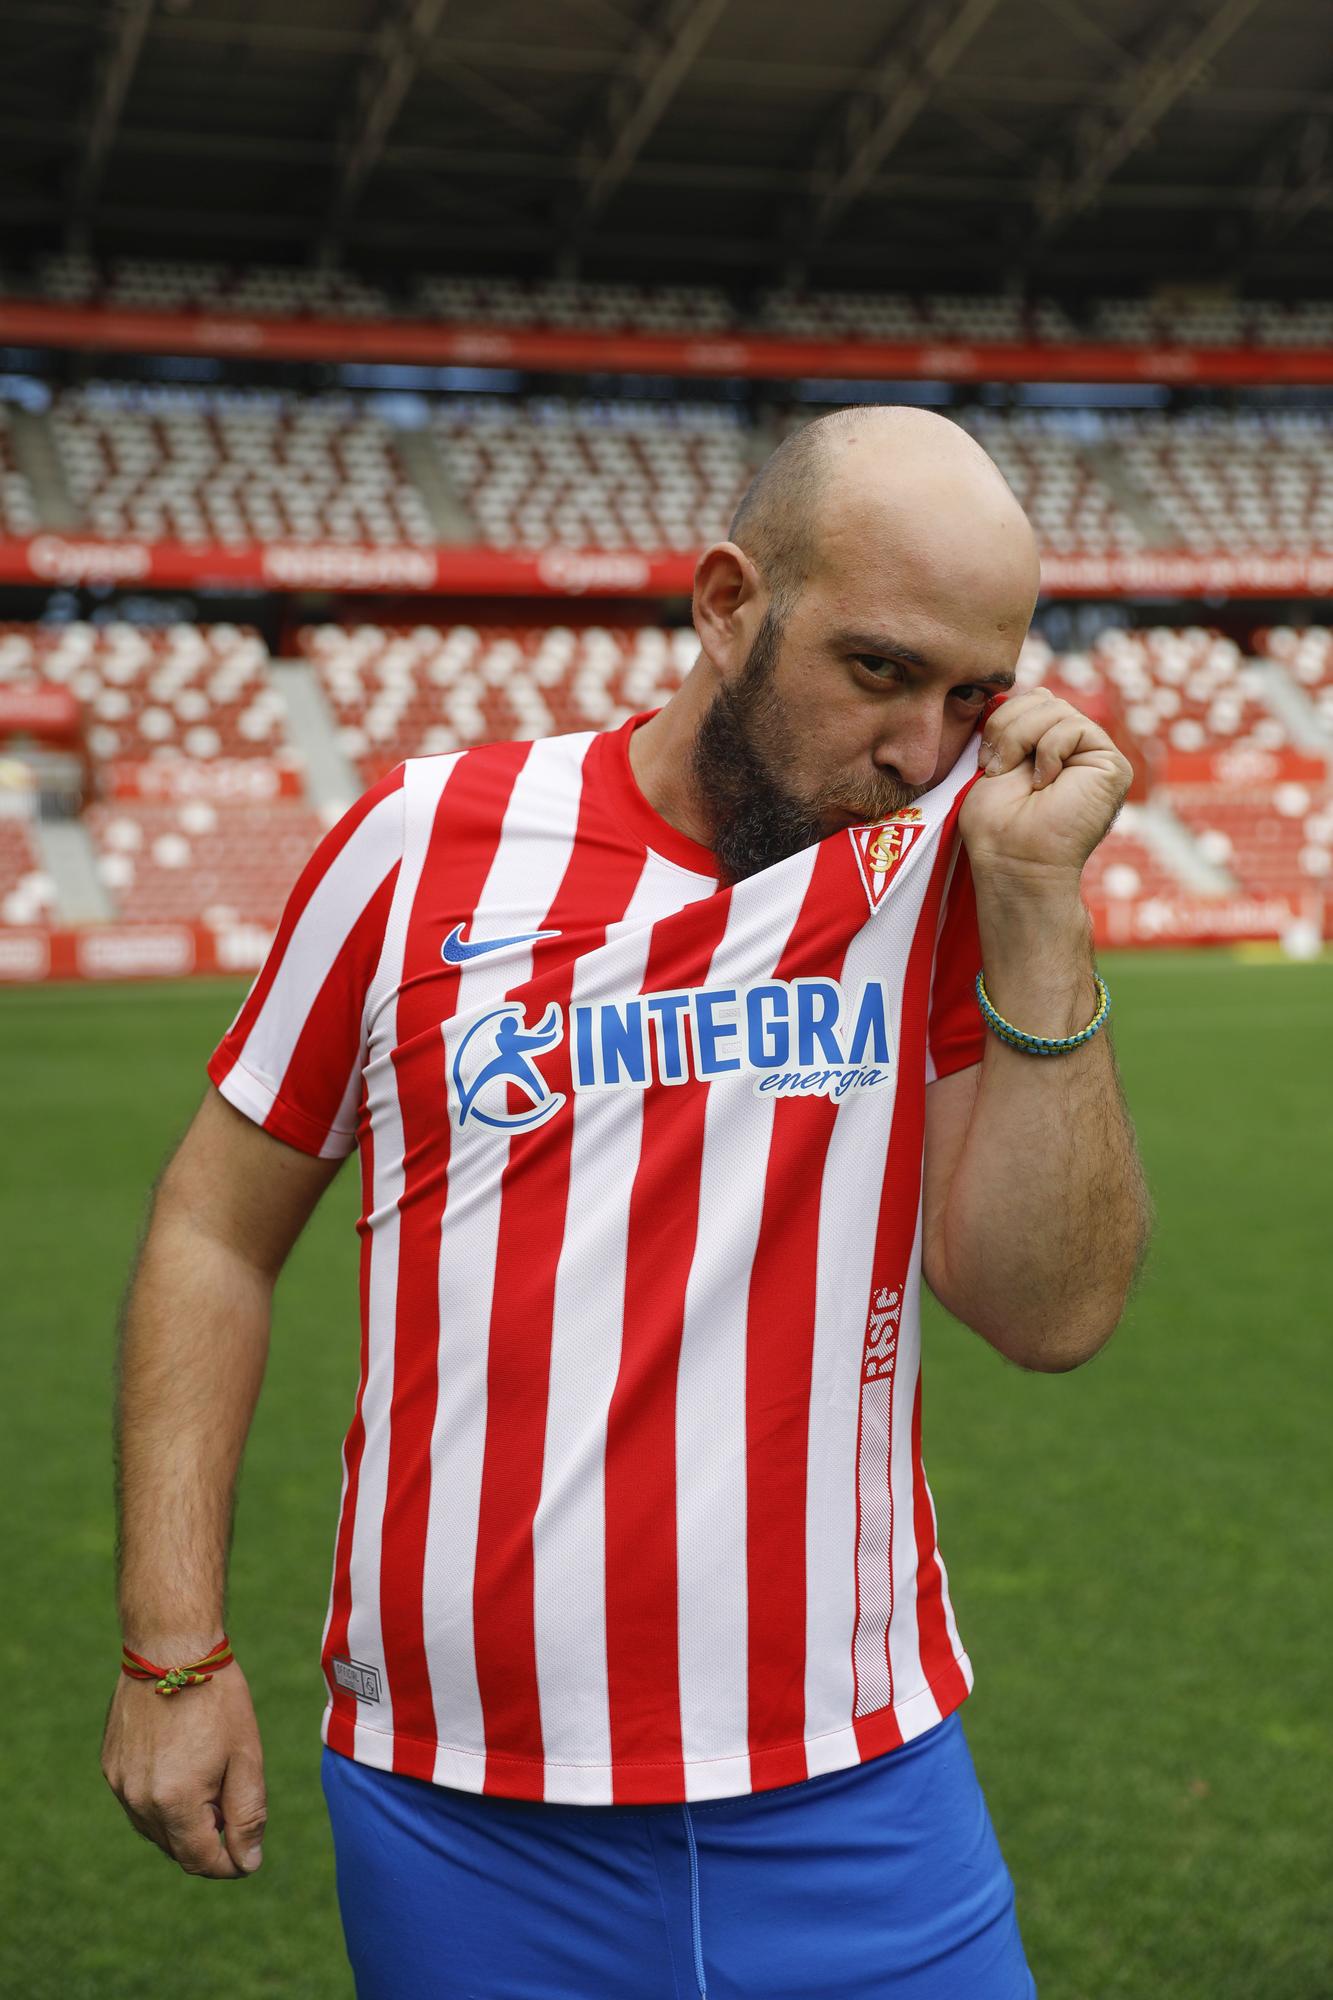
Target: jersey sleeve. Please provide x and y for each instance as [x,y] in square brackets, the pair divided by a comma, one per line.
[292,1058]
[956,1034]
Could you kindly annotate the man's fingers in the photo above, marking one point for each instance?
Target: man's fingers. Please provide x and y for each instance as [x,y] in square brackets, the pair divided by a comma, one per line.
[1038,718]
[189,1833]
[1054,748]
[244,1811]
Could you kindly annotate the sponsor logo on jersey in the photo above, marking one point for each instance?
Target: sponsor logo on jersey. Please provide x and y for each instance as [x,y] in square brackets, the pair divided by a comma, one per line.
[457,950]
[880,849]
[358,1679]
[790,1038]
[495,1056]
[882,1328]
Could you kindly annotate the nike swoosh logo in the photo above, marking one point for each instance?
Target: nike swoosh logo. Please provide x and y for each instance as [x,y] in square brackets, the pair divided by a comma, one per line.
[457,951]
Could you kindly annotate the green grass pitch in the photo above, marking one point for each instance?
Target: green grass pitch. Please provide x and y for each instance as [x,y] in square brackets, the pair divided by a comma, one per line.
[1135,1549]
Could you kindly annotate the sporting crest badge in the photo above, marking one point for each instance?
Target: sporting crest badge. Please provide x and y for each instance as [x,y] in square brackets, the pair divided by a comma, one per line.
[880,849]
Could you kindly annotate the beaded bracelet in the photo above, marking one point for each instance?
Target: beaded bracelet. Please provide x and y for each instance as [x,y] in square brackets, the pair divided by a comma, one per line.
[1043,1045]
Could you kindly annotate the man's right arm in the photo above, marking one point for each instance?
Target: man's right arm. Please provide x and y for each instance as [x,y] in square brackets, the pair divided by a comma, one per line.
[230,1205]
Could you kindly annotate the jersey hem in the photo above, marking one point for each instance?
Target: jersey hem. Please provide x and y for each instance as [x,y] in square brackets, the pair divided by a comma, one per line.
[266,1107]
[501,1775]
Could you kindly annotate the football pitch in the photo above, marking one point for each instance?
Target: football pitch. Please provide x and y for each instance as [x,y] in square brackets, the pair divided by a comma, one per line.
[1137,1551]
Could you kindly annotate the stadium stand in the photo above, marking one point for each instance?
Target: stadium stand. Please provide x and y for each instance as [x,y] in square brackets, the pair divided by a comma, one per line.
[190,691]
[1069,504]
[1237,479]
[1272,841]
[201,862]
[592,475]
[1306,654]
[421,691]
[278,291]
[178,699]
[571,304]
[27,894]
[234,468]
[1187,689]
[18,511]
[267,291]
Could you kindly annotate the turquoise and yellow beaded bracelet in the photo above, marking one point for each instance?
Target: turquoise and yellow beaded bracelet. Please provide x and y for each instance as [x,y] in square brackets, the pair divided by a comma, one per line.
[1043,1045]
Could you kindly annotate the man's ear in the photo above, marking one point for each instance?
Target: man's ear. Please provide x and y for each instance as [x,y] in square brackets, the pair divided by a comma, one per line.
[729,605]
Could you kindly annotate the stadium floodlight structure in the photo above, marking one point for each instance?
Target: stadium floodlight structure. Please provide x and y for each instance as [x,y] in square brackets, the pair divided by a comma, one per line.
[638,95]
[880,113]
[404,41]
[128,27]
[1173,65]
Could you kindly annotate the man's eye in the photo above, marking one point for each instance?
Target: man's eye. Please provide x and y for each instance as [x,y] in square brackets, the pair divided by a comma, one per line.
[978,697]
[876,664]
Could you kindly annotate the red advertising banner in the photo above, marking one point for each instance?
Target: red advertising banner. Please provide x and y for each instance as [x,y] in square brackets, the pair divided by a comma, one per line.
[1181,920]
[224,780]
[1244,765]
[38,708]
[446,570]
[130,951]
[175,951]
[42,323]
[450,571]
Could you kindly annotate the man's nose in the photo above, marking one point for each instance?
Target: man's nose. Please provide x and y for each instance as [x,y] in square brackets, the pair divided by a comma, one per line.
[914,747]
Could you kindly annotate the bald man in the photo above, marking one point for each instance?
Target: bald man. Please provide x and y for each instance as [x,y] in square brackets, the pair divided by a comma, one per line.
[670,1074]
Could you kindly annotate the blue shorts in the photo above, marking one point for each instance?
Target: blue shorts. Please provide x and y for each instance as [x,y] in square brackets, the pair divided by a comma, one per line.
[881,1882]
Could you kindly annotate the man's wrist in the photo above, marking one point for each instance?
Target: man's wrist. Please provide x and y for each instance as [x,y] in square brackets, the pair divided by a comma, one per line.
[1036,953]
[172,1645]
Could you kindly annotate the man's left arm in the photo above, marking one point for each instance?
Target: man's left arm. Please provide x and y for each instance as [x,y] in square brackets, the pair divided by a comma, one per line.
[1036,1212]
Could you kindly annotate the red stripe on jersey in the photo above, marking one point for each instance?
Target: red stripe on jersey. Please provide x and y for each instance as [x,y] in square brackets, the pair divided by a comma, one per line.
[342,1716]
[461,849]
[899,1205]
[937,1659]
[534,1195]
[330,847]
[308,1079]
[642,1622]
[780,1344]
[957,1033]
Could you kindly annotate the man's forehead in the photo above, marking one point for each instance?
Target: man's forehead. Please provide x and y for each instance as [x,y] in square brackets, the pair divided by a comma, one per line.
[928,601]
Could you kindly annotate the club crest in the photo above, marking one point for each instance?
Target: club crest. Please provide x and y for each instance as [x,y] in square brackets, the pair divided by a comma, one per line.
[880,849]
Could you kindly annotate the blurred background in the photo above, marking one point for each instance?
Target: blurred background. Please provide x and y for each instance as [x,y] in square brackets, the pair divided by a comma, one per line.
[370,373]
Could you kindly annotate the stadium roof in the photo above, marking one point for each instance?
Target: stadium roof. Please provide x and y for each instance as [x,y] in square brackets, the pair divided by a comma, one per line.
[1066,145]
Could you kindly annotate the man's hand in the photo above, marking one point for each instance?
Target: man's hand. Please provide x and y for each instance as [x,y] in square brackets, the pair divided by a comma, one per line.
[1052,784]
[189,1771]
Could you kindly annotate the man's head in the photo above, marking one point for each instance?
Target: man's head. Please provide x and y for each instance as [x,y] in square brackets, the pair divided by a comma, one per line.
[874,594]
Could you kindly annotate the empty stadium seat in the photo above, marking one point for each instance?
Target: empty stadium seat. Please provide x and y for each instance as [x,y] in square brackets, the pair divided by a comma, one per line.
[197,862]
[236,468]
[1234,480]
[27,893]
[18,508]
[416,692]
[1306,654]
[588,475]
[199,691]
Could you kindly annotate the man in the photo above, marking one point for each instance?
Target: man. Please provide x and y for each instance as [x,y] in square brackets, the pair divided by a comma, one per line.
[641,1665]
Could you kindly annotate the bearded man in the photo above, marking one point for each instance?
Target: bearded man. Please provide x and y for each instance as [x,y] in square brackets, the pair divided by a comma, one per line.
[670,1072]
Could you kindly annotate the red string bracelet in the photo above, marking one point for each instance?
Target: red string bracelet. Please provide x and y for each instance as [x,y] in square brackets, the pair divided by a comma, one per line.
[169,1679]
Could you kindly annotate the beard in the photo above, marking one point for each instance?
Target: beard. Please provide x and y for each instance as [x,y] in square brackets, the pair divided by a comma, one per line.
[745,744]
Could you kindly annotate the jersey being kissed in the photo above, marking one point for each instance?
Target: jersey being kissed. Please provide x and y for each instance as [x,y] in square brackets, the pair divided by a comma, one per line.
[633,1506]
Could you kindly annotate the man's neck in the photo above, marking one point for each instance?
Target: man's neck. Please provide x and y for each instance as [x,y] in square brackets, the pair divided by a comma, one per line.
[661,756]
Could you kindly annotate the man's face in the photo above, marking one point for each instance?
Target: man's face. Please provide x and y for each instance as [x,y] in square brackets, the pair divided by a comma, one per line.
[843,713]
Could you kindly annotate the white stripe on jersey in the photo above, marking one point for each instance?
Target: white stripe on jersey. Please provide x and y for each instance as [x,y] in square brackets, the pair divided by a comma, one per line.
[711,1500]
[536,840]
[569,1527]
[364,1640]
[317,937]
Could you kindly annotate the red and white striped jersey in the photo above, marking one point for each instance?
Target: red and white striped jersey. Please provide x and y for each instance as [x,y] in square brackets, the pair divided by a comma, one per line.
[633,1505]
